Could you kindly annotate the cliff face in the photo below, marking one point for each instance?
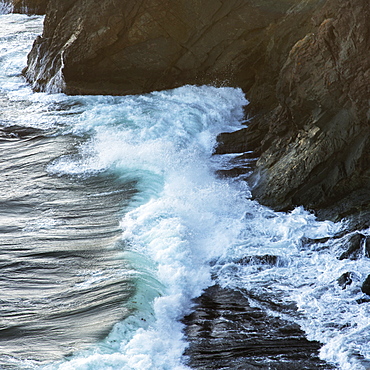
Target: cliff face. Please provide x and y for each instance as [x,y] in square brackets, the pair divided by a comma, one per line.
[303,64]
[317,148]
[128,47]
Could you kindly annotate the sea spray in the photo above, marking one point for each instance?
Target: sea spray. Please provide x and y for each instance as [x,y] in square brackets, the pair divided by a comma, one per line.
[182,217]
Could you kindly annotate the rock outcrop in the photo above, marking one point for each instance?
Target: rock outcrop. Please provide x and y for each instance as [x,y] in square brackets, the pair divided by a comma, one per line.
[225,332]
[316,150]
[314,141]
[303,64]
[128,47]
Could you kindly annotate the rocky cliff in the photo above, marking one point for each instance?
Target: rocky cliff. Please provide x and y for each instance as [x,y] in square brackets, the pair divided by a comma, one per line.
[130,47]
[303,64]
[316,152]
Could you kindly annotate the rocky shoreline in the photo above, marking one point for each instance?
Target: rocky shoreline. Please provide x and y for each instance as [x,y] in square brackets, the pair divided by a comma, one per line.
[225,332]
[304,67]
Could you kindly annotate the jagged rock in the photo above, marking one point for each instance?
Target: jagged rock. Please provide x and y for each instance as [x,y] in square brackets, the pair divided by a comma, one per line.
[266,259]
[319,244]
[30,6]
[344,280]
[140,46]
[366,286]
[352,246]
[316,152]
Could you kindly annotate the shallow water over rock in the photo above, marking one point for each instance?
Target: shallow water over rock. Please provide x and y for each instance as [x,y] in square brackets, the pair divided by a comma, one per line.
[226,332]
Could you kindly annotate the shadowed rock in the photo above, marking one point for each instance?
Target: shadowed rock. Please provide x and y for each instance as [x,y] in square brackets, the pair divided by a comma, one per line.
[345,279]
[128,47]
[353,247]
[366,286]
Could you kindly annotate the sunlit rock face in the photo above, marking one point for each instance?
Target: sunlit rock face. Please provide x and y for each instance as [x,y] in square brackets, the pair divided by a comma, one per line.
[127,47]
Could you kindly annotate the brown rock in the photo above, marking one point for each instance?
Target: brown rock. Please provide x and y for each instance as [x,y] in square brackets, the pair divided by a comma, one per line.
[130,47]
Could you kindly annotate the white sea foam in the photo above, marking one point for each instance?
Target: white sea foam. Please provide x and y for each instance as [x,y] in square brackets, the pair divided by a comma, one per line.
[183,218]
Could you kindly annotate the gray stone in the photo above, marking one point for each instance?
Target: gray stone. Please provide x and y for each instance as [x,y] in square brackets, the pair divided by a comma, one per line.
[366,286]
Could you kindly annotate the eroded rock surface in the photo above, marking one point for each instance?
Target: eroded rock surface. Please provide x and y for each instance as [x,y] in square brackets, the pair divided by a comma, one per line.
[225,332]
[127,47]
[317,148]
[314,141]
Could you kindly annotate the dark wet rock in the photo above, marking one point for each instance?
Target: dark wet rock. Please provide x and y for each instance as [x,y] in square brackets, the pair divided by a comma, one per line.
[30,6]
[225,332]
[345,279]
[266,259]
[320,243]
[240,166]
[367,247]
[346,244]
[366,286]
[234,172]
[235,142]
[352,246]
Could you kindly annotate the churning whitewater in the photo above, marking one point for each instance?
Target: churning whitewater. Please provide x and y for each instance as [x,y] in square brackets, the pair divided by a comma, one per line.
[113,219]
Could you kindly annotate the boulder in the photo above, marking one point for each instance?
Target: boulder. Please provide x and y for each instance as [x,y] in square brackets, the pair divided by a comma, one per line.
[344,280]
[366,286]
[352,246]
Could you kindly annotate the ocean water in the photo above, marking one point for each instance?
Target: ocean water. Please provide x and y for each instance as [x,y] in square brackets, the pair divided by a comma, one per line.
[113,218]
